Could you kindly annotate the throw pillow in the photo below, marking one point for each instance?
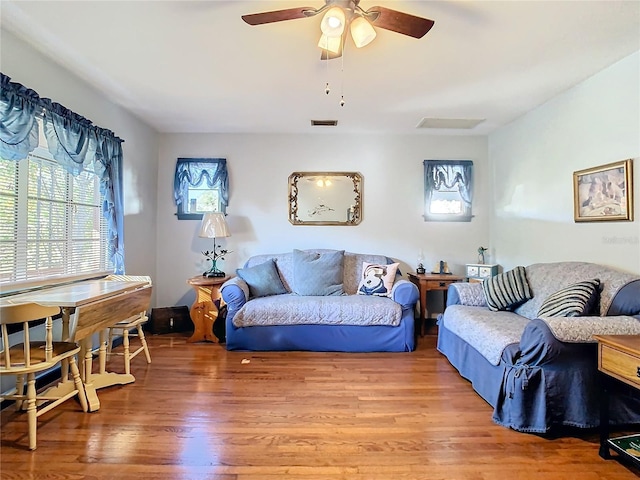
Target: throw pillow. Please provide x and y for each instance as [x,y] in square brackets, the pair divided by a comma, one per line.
[507,289]
[263,279]
[377,279]
[317,273]
[575,300]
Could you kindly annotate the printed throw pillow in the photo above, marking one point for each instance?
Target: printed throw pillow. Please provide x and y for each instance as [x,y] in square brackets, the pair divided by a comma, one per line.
[576,300]
[377,279]
[318,274]
[507,289]
[263,279]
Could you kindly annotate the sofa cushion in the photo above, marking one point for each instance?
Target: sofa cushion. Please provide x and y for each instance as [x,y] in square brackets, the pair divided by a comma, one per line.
[316,273]
[377,279]
[263,279]
[507,289]
[576,300]
[294,309]
[487,332]
[466,293]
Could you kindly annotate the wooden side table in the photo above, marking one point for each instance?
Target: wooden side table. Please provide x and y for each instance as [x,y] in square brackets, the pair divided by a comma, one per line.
[425,283]
[204,310]
[618,361]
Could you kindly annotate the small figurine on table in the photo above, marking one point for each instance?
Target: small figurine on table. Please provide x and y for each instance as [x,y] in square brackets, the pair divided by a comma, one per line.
[481,251]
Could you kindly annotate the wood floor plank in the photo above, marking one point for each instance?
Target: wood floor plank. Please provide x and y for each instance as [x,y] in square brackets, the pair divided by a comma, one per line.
[199,412]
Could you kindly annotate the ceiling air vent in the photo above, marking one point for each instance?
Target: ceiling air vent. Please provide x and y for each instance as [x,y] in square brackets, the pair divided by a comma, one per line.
[324,123]
[456,123]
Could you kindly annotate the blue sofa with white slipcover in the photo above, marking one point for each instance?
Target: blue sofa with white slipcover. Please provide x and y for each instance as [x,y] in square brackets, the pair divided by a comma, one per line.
[537,368]
[320,300]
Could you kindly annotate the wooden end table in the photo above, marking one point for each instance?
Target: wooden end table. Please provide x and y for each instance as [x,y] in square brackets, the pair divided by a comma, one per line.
[204,310]
[618,361]
[425,283]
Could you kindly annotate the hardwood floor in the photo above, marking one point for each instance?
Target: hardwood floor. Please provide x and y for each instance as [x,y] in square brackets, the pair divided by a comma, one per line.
[199,412]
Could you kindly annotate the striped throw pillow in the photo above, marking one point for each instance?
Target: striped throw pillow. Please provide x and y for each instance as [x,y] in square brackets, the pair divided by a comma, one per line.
[575,300]
[507,289]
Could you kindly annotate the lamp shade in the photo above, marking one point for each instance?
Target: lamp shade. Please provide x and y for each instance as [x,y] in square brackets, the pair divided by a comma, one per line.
[214,226]
[362,32]
[332,24]
[332,44]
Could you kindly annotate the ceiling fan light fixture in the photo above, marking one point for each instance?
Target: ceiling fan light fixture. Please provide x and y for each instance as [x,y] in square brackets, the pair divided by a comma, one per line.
[332,44]
[362,32]
[332,24]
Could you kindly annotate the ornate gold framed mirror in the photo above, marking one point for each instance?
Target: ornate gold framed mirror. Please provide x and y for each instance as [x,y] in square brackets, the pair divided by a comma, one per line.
[325,198]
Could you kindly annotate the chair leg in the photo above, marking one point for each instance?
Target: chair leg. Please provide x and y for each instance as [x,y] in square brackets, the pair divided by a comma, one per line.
[143,340]
[110,344]
[77,381]
[19,391]
[127,359]
[32,415]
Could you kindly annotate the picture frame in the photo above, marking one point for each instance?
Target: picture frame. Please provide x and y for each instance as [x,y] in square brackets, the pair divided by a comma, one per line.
[325,198]
[604,193]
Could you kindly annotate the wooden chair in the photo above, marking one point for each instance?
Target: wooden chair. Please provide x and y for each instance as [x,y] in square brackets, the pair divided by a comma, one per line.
[31,357]
[124,328]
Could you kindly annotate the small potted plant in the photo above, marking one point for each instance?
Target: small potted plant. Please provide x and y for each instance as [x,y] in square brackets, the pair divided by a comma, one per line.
[481,251]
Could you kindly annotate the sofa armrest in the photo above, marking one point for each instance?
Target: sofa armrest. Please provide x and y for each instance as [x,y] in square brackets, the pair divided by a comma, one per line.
[463,293]
[235,293]
[405,293]
[582,329]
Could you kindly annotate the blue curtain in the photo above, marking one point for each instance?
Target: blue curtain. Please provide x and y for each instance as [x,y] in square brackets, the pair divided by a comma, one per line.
[74,142]
[72,139]
[109,160]
[196,171]
[19,130]
[450,175]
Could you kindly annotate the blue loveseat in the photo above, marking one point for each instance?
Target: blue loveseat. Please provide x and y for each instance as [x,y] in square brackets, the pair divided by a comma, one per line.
[261,318]
[540,373]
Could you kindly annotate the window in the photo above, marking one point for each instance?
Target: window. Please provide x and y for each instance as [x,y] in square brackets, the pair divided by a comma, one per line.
[448,190]
[201,185]
[51,222]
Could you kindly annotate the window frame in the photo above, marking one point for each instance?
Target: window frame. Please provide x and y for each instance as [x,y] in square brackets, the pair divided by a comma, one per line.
[464,168]
[19,275]
[211,167]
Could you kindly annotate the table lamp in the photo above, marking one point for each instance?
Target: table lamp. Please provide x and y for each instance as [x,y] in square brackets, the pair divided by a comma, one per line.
[214,226]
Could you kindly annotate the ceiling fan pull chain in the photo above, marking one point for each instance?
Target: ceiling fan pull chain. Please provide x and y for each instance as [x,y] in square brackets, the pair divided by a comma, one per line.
[342,73]
[326,89]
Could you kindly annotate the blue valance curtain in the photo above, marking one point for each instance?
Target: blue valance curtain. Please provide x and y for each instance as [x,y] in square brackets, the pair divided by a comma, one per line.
[74,142]
[196,171]
[450,175]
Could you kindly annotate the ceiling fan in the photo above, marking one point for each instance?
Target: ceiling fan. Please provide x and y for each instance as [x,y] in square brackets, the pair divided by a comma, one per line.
[342,13]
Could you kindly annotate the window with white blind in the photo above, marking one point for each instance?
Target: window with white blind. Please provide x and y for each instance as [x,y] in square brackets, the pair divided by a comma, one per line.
[51,222]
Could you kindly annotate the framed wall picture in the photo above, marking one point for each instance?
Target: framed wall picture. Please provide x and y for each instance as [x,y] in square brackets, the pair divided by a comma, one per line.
[325,198]
[604,193]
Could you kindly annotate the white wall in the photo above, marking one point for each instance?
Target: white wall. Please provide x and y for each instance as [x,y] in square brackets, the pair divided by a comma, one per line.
[27,66]
[259,166]
[532,164]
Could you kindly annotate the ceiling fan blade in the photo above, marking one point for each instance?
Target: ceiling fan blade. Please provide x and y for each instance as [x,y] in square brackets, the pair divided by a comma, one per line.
[279,15]
[399,22]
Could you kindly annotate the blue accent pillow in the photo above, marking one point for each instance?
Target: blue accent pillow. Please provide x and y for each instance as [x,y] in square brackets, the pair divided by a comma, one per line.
[317,273]
[263,279]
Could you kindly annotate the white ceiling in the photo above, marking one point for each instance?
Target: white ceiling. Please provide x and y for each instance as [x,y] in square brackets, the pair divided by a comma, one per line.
[195,66]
